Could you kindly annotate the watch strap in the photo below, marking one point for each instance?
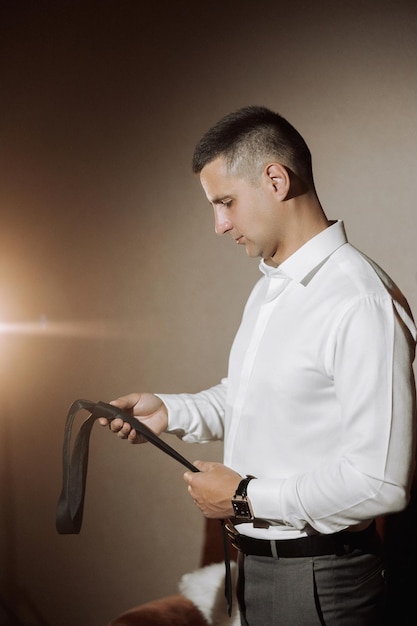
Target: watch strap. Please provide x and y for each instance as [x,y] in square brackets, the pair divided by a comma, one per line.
[242,488]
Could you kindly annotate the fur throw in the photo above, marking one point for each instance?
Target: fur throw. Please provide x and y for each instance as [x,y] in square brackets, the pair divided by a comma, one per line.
[205,588]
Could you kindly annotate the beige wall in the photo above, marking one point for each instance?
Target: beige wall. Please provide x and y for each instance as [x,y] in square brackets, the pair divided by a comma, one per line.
[109,266]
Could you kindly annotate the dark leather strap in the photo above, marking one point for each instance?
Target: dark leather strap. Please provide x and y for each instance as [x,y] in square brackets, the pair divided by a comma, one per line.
[242,487]
[69,511]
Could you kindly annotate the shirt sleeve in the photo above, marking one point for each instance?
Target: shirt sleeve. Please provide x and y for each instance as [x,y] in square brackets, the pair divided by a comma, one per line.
[369,357]
[198,417]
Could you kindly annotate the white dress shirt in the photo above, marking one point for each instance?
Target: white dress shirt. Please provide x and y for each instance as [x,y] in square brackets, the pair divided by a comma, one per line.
[319,402]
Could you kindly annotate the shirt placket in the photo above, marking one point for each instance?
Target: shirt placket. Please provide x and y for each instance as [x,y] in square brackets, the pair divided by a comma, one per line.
[276,287]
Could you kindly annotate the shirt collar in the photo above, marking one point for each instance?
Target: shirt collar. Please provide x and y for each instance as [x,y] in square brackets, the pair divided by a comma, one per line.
[302,265]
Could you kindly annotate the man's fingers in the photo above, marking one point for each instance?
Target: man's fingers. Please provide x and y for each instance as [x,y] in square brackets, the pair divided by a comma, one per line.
[116,425]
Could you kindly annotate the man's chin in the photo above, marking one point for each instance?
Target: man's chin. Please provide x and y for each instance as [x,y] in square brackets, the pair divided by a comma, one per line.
[252,252]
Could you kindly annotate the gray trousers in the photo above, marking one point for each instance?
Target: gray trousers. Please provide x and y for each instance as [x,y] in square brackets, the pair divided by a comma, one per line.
[346,590]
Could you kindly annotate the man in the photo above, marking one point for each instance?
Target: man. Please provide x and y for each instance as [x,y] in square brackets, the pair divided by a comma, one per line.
[318,410]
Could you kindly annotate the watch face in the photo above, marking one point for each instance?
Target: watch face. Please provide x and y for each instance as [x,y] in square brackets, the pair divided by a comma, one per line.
[242,509]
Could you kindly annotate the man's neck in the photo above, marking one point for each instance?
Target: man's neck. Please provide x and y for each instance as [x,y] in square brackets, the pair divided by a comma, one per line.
[306,219]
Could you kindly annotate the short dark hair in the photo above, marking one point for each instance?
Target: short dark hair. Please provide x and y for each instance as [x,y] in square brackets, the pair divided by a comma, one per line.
[250,136]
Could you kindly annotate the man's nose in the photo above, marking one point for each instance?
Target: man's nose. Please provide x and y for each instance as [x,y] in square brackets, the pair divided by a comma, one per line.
[222,223]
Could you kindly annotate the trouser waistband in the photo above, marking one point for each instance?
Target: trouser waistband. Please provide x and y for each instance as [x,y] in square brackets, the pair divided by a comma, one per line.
[340,543]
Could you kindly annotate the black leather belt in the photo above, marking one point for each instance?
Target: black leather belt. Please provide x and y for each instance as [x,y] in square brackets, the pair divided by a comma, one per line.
[340,543]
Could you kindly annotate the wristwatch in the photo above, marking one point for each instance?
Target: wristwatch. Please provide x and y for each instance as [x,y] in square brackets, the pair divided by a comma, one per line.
[240,502]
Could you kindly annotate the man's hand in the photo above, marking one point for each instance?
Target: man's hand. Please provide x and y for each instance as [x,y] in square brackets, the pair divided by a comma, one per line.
[212,488]
[146,407]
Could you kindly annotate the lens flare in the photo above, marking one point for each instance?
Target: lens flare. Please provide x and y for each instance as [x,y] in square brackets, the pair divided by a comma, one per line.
[91,329]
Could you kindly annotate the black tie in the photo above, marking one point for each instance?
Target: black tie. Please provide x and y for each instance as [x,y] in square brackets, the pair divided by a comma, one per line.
[69,512]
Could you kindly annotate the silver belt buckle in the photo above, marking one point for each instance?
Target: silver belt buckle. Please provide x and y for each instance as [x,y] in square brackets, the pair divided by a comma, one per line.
[233,534]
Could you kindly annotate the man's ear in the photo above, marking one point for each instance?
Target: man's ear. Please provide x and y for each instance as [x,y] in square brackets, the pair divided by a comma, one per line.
[279,179]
